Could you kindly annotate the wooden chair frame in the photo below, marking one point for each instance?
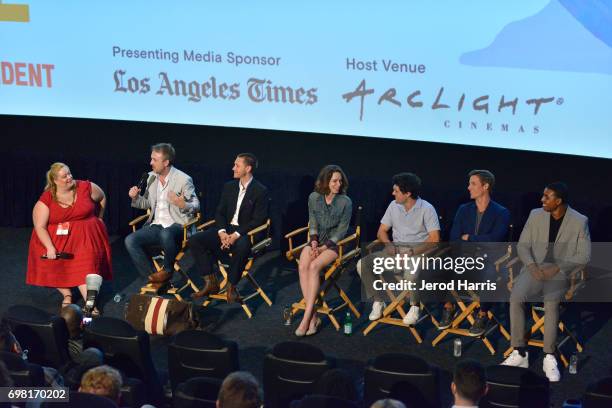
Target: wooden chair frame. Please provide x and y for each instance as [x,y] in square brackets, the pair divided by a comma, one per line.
[467,314]
[397,306]
[256,249]
[332,274]
[577,280]
[169,287]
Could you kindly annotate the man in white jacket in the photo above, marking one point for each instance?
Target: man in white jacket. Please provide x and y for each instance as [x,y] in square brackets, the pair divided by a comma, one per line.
[171,197]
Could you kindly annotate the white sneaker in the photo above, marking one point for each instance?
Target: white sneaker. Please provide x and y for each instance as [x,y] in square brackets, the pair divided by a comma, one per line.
[377,309]
[412,316]
[550,368]
[516,360]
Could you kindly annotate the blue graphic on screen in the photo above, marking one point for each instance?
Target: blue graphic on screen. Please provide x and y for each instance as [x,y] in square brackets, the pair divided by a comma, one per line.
[531,75]
[567,35]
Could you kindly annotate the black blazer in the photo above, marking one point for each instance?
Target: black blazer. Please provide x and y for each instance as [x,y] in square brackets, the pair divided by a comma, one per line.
[253,210]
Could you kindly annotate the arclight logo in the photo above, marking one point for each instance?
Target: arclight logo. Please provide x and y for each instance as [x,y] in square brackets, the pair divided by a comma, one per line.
[18,13]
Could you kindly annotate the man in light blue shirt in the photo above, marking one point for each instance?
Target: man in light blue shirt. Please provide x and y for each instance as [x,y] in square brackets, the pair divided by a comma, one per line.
[413,220]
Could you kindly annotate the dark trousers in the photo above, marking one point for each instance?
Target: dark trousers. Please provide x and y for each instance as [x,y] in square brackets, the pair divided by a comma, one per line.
[206,248]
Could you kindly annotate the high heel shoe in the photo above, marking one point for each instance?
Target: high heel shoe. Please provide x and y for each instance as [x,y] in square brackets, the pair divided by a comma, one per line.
[315,329]
[300,333]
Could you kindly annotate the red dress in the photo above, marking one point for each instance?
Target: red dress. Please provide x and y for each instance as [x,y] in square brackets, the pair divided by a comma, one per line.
[87,240]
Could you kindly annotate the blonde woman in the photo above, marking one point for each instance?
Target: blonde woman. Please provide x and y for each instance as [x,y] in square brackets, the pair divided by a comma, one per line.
[68,221]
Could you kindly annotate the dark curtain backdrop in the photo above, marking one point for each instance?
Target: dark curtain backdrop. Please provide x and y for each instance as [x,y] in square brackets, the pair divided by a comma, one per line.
[114,154]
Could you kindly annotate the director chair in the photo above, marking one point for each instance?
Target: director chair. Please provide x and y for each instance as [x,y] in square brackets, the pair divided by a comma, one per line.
[467,311]
[397,302]
[257,248]
[348,250]
[158,258]
[577,280]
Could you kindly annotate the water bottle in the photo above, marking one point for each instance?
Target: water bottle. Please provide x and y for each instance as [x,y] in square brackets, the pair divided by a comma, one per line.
[287,315]
[457,347]
[348,324]
[573,365]
[24,355]
[118,298]
[572,403]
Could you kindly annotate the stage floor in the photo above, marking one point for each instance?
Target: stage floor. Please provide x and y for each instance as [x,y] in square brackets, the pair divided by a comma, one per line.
[280,281]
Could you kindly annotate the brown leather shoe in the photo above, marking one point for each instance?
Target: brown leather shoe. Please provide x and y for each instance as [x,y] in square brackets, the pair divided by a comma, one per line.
[211,286]
[159,286]
[232,294]
[160,276]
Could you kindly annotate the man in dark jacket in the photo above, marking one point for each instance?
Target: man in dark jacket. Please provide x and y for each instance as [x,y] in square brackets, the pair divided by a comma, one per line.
[243,207]
[481,220]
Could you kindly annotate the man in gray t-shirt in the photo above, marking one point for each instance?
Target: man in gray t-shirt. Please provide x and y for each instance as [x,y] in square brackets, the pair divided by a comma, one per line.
[413,220]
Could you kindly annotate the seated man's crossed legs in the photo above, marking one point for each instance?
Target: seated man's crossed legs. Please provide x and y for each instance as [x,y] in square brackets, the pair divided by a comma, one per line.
[206,249]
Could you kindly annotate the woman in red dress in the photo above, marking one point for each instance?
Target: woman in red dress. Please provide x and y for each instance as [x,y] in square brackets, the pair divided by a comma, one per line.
[68,219]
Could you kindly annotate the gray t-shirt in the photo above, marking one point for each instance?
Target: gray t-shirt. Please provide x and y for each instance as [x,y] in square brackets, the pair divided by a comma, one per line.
[478,221]
[411,226]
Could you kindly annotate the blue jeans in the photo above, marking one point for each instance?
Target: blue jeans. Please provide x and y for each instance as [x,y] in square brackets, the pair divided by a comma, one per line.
[154,235]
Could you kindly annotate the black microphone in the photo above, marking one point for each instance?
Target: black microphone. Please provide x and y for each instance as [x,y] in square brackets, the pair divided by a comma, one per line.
[61,255]
[142,184]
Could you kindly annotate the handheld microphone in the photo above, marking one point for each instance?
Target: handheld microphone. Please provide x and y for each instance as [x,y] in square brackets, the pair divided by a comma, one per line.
[93,282]
[60,255]
[142,184]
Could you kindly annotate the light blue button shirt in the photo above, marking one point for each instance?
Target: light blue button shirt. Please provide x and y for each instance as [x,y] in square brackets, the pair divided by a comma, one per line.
[413,225]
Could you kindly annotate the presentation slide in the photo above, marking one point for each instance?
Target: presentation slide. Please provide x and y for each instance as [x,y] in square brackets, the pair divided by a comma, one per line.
[520,74]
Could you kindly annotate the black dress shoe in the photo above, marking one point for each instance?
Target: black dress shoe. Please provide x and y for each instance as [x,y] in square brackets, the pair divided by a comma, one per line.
[211,286]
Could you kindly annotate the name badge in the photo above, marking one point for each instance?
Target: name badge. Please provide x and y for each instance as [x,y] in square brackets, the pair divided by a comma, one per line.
[63,228]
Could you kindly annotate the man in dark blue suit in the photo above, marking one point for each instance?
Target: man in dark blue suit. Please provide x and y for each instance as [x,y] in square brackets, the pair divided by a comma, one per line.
[481,220]
[243,207]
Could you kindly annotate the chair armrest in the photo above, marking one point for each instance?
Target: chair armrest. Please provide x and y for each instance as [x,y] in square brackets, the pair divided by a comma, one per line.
[263,227]
[205,225]
[577,278]
[348,239]
[258,247]
[371,245]
[513,262]
[292,252]
[192,222]
[501,260]
[139,219]
[509,266]
[188,225]
[569,295]
[578,273]
[296,232]
[259,229]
